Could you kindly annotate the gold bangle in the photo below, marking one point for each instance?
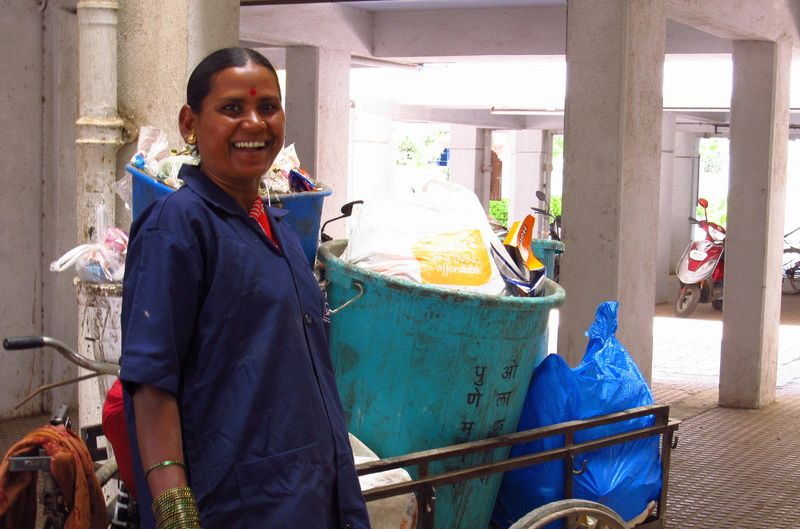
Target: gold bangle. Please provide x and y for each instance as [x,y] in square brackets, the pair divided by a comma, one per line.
[178,523]
[165,463]
[166,513]
[177,520]
[172,496]
[174,503]
[175,493]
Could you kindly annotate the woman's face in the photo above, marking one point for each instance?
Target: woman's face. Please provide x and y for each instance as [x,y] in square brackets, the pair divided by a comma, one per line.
[240,126]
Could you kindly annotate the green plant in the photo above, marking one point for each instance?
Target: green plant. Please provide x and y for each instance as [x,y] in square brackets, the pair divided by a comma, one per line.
[555,205]
[717,212]
[499,210]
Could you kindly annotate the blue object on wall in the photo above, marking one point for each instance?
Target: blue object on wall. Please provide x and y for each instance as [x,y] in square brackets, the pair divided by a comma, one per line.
[444,157]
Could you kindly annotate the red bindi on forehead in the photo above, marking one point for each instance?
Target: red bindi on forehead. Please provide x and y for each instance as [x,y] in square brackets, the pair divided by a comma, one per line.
[252,91]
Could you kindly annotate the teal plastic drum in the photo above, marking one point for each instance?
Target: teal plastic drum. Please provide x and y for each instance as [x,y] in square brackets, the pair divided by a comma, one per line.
[422,367]
[546,250]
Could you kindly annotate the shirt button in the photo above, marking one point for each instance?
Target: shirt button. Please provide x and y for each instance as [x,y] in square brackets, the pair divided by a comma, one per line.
[308,318]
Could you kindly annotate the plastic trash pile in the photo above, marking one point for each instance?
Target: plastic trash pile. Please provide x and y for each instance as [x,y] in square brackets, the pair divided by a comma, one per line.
[155,159]
[101,261]
[439,235]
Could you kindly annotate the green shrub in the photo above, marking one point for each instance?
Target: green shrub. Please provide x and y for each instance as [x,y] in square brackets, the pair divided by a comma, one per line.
[555,205]
[499,210]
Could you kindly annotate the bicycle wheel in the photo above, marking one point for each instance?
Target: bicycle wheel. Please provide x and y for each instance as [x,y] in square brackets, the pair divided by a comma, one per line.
[570,510]
[790,284]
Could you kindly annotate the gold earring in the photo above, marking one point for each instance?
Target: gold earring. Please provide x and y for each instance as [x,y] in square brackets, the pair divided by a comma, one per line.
[191,139]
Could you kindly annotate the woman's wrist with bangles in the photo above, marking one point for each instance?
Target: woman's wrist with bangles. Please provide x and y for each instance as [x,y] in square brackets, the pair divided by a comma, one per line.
[176,508]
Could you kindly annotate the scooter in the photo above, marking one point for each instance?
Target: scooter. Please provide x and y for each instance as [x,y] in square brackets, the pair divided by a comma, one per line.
[553,221]
[551,229]
[701,269]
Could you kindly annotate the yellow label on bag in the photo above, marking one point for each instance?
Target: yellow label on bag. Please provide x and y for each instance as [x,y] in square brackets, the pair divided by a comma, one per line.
[453,258]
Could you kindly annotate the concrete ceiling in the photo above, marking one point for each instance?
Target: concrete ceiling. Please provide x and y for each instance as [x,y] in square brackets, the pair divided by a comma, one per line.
[399,5]
[517,30]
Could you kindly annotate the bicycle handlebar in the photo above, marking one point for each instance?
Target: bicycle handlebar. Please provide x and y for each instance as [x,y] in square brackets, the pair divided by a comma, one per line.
[23,342]
[35,342]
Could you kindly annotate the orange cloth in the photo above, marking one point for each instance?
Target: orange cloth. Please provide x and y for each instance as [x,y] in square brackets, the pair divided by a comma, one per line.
[72,468]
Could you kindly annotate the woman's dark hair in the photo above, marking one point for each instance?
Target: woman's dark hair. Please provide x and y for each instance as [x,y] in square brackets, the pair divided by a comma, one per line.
[199,84]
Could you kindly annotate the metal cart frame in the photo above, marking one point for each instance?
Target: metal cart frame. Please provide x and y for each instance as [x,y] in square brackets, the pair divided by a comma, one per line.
[425,485]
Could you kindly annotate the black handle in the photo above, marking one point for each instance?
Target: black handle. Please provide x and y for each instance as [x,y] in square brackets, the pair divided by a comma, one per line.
[23,342]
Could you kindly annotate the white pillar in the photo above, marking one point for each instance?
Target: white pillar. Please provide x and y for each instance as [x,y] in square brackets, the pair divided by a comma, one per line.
[664,265]
[527,177]
[759,136]
[371,161]
[615,56]
[318,118]
[467,151]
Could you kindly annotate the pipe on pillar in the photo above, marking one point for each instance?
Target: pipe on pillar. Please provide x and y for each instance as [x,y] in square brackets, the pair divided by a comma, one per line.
[99,128]
[486,169]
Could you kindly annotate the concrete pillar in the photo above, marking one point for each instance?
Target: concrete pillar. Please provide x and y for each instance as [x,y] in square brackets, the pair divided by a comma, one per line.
[160,43]
[318,118]
[685,167]
[664,266]
[527,177]
[60,311]
[759,136]
[615,55]
[21,211]
[371,155]
[467,168]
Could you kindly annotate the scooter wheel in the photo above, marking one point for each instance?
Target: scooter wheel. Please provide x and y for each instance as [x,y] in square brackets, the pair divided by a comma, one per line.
[688,298]
[716,304]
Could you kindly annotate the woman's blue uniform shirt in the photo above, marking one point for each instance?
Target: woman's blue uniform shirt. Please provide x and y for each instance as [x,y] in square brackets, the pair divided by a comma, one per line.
[217,315]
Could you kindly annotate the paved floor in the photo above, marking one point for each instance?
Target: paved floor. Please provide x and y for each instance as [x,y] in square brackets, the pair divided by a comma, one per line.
[732,468]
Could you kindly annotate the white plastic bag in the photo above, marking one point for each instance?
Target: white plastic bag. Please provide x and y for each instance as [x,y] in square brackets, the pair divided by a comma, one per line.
[150,149]
[102,261]
[397,512]
[437,236]
[276,179]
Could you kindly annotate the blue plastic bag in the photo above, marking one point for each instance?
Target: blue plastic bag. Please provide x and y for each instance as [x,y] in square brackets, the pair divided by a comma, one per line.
[624,477]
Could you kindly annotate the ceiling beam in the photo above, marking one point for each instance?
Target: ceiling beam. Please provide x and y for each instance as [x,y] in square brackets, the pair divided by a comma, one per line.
[436,34]
[740,19]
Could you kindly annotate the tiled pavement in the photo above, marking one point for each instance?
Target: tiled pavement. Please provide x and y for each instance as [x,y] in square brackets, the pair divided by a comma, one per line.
[732,468]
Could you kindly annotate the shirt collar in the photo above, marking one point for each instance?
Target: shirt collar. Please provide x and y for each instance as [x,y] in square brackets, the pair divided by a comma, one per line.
[200,183]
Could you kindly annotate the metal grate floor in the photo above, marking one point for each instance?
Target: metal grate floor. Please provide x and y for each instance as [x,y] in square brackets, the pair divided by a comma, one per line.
[738,468]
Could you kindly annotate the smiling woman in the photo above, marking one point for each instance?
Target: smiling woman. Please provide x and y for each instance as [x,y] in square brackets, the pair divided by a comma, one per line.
[231,403]
[239,128]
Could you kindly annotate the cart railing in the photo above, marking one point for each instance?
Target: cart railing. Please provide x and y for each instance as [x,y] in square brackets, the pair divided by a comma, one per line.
[424,485]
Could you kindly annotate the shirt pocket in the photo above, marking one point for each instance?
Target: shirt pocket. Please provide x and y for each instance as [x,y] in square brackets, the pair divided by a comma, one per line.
[285,490]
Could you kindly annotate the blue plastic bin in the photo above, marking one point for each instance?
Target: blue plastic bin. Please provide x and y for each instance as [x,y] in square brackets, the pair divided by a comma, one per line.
[305,209]
[421,367]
